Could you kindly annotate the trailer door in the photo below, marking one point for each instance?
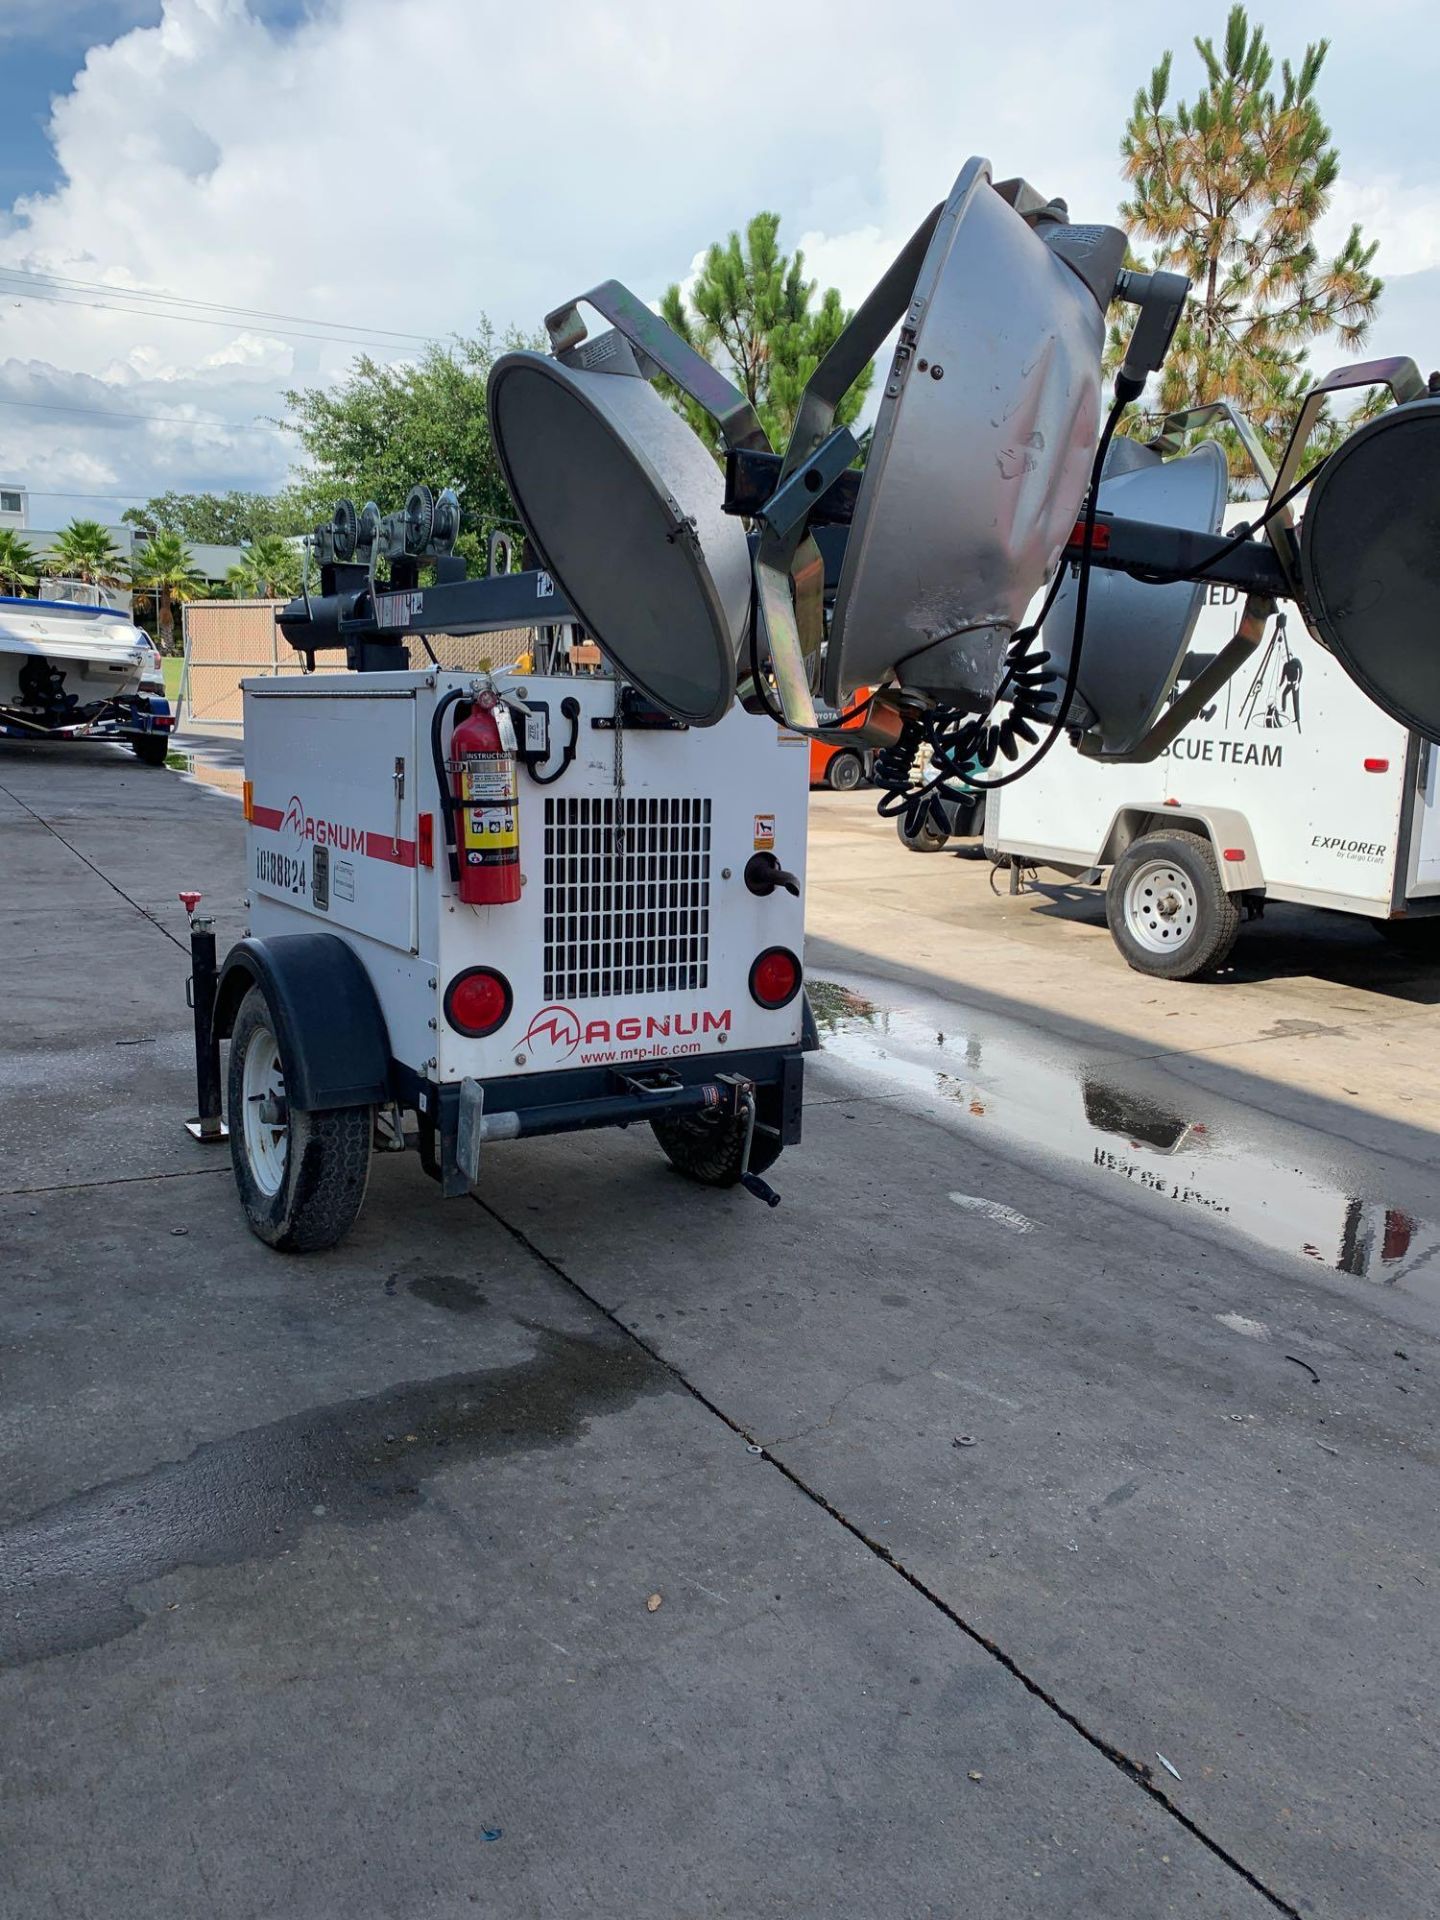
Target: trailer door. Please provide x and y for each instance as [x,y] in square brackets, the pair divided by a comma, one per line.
[333,833]
[1424,874]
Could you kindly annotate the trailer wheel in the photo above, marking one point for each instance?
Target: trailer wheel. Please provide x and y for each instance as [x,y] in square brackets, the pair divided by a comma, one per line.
[1167,910]
[845,772]
[301,1175]
[150,749]
[927,839]
[707,1147]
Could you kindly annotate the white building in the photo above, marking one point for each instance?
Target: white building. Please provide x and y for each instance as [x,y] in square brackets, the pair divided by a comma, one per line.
[14,506]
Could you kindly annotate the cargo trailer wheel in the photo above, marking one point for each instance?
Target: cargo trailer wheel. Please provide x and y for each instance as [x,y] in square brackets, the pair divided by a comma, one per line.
[1167,910]
[150,749]
[926,838]
[707,1147]
[301,1176]
[845,772]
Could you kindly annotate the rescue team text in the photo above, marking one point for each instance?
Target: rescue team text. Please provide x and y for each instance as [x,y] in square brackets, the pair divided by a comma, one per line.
[1235,753]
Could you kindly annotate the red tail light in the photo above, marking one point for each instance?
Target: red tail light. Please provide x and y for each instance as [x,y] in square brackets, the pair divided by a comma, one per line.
[1377,766]
[478,1001]
[775,978]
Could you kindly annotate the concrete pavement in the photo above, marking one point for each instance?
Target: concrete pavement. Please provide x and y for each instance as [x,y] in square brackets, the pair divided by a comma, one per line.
[324,1583]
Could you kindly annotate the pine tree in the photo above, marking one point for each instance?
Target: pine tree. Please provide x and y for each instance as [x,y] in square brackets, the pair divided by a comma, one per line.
[1228,188]
[751,311]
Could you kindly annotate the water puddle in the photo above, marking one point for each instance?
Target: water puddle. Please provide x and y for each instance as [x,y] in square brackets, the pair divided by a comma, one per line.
[207,772]
[1259,1178]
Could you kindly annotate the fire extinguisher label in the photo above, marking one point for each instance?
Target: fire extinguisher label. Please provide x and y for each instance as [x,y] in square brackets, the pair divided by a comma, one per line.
[489,777]
[491,835]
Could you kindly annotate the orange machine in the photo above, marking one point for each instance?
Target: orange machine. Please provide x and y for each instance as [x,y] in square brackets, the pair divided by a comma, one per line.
[840,767]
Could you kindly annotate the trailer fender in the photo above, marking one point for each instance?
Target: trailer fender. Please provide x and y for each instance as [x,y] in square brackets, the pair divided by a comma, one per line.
[328,1021]
[1227,830]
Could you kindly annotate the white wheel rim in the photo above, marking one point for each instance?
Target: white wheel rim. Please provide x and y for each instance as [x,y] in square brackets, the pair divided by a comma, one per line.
[267,1127]
[1161,907]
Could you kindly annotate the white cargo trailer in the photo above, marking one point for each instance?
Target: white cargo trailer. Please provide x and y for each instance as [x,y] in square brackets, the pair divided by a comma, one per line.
[1291,785]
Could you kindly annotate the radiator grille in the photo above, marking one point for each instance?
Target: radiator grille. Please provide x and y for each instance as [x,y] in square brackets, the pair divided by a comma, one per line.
[626,914]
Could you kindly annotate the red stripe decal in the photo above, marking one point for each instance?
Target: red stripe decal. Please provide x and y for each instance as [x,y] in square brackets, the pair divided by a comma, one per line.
[380,846]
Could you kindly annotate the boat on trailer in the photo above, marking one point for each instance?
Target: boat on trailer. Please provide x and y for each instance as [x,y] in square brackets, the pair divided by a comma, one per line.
[71,669]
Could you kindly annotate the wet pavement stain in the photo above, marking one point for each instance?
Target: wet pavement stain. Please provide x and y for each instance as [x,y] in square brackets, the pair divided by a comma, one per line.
[450,1291]
[1266,1182]
[68,1573]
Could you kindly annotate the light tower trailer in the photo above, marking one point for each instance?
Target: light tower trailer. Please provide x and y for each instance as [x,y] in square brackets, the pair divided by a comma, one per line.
[649,970]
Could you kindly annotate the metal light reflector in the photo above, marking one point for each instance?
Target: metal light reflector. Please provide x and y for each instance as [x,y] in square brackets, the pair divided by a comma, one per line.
[979,460]
[1136,634]
[982,446]
[623,501]
[1370,561]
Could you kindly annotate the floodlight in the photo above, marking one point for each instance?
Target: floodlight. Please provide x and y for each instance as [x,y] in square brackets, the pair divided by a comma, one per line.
[367,531]
[978,465]
[1370,561]
[624,503]
[419,513]
[446,526]
[343,528]
[982,446]
[1136,634]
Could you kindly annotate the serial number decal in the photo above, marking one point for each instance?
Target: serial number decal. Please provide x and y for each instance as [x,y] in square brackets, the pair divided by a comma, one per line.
[280,870]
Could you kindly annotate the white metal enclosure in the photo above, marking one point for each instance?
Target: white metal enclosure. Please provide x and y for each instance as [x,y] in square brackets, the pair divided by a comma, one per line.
[635,932]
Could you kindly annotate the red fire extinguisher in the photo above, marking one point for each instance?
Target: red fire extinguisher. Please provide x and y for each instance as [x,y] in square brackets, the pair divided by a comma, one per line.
[484,772]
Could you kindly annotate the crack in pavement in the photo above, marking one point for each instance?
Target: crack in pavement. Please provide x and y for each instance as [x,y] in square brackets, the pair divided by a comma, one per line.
[144,912]
[113,1180]
[1137,1772]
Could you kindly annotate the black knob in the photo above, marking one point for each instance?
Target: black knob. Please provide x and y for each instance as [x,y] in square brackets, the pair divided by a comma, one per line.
[764,873]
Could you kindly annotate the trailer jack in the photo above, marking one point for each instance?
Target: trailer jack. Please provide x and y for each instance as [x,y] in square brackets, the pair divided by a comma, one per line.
[208,1126]
[744,1091]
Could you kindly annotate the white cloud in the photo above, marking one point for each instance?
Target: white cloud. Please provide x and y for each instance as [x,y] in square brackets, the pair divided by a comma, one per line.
[1403,217]
[410,164]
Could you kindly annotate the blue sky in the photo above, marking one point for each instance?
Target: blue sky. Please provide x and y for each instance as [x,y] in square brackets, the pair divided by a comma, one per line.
[415,165]
[42,47]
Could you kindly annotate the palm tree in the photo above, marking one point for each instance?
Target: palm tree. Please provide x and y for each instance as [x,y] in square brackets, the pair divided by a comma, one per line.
[165,567]
[269,568]
[19,566]
[85,551]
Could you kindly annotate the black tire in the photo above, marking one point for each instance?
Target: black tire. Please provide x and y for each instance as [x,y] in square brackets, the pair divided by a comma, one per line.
[150,749]
[1167,910]
[327,1155]
[845,772]
[707,1147]
[927,840]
